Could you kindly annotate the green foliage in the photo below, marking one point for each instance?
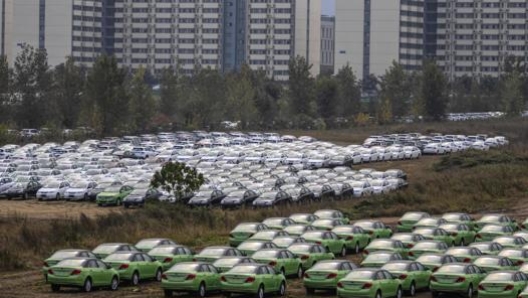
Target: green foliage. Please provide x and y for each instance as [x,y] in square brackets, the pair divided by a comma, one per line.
[301,87]
[395,94]
[142,105]
[511,93]
[169,93]
[433,91]
[473,158]
[349,92]
[177,178]
[68,83]
[240,98]
[327,97]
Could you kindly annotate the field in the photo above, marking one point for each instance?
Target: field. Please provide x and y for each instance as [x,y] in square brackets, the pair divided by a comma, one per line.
[471,182]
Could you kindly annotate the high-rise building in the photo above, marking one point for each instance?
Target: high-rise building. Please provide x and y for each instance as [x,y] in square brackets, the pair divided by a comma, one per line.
[183,34]
[327,44]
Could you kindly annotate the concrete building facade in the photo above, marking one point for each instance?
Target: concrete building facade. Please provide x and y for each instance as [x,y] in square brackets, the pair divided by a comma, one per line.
[327,44]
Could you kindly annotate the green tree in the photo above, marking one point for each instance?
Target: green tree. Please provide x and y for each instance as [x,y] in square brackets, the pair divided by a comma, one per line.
[68,83]
[267,94]
[512,96]
[240,105]
[327,97]
[177,178]
[5,82]
[433,91]
[349,92]
[301,87]
[169,92]
[106,99]
[142,106]
[395,91]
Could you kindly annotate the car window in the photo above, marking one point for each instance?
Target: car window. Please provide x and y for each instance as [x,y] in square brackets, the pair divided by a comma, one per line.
[270,270]
[138,258]
[101,265]
[147,258]
[91,264]
[203,268]
[420,267]
[387,275]
[212,269]
[470,270]
[380,275]
[262,270]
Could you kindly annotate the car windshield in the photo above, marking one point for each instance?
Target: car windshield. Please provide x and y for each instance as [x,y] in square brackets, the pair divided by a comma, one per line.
[411,216]
[237,194]
[139,191]
[105,248]
[79,184]
[104,185]
[362,274]
[227,262]
[377,182]
[249,269]
[245,228]
[326,266]
[118,257]
[483,261]
[300,248]
[54,184]
[115,188]
[64,254]
[265,254]
[499,276]
[429,259]
[185,267]
[268,195]
[162,250]
[395,266]
[212,252]
[452,269]
[71,263]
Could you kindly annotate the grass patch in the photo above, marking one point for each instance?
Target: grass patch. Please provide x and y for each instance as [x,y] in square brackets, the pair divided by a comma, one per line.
[473,158]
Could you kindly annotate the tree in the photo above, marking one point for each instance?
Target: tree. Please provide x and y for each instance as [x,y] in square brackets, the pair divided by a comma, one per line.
[5,81]
[267,94]
[349,92]
[395,91]
[177,178]
[142,106]
[327,97]
[433,91]
[512,97]
[68,83]
[169,92]
[301,87]
[239,97]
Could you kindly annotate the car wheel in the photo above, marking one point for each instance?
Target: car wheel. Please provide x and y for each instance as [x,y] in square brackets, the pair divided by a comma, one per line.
[282,289]
[87,285]
[300,272]
[469,293]
[55,288]
[378,294]
[57,197]
[343,251]
[399,293]
[167,293]
[202,290]
[412,290]
[310,291]
[260,292]
[158,274]
[135,278]
[115,284]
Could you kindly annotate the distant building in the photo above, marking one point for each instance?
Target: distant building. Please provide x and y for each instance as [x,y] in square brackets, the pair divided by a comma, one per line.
[327,44]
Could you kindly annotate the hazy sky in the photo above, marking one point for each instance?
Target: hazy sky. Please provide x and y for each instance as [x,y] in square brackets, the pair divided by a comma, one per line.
[328,7]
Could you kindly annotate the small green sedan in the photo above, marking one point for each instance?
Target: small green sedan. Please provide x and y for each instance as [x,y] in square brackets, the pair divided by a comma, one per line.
[427,246]
[496,219]
[303,218]
[268,235]
[434,261]
[456,278]
[106,249]
[369,282]
[257,279]
[488,247]
[495,263]
[436,234]
[386,245]
[196,278]
[281,260]
[310,253]
[84,273]
[380,258]
[327,224]
[429,222]
[465,254]
[413,275]
[356,238]
[298,229]
[169,255]
[135,266]
[331,214]
[278,223]
[244,231]
[249,247]
[285,241]
[225,264]
[462,233]
[502,284]
[325,274]
[518,255]
[65,254]
[213,253]
[510,241]
[375,228]
[407,221]
[113,195]
[329,240]
[489,232]
[460,217]
[146,245]
[524,293]
[408,239]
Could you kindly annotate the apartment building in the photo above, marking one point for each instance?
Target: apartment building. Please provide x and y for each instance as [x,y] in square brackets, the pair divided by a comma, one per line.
[327,44]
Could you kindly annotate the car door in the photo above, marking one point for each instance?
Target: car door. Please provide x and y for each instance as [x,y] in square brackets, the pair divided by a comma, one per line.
[151,266]
[105,273]
[266,278]
[214,283]
[420,275]
[91,268]
[334,243]
[392,282]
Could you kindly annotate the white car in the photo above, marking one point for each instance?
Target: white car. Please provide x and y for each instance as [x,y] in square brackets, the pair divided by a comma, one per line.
[434,148]
[79,190]
[361,188]
[53,190]
[412,152]
[380,186]
[480,145]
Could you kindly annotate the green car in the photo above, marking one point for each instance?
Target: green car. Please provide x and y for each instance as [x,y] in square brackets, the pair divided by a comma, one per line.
[495,263]
[510,241]
[113,195]
[281,260]
[458,217]
[244,231]
[84,273]
[427,246]
[523,234]
[106,249]
[407,221]
[331,214]
[169,255]
[64,254]
[496,219]
[429,222]
[524,293]
[257,279]
[369,282]
[356,238]
[285,241]
[146,245]
[386,245]
[380,258]
[327,224]
[375,228]
[413,275]
[462,233]
[303,218]
[278,223]
[518,255]
[436,234]
[135,266]
[310,253]
[213,253]
[456,278]
[329,240]
[298,229]
[524,268]
[433,261]
[488,247]
[465,254]
[268,235]
[225,264]
[196,278]
[489,232]
[503,284]
[249,247]
[408,239]
[325,274]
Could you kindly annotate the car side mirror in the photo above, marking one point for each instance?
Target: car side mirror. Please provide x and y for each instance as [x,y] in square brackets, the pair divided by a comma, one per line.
[108,266]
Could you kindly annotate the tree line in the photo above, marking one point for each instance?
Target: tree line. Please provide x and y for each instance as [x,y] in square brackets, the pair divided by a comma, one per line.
[114,100]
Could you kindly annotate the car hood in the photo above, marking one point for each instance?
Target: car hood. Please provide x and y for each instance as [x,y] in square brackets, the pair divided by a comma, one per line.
[76,190]
[109,193]
[48,189]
